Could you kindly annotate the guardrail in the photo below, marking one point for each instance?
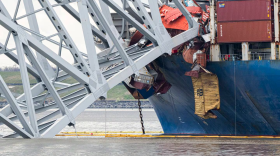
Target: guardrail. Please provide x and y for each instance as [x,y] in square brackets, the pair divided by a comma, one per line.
[230,57]
[262,56]
[252,56]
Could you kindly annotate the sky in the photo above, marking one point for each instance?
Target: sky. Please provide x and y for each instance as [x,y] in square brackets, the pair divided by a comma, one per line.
[46,28]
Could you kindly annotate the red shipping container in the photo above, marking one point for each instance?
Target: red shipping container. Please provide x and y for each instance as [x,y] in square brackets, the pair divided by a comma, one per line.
[249,10]
[201,59]
[251,31]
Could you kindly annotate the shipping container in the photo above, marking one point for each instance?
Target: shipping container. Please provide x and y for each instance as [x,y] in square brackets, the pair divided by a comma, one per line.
[249,10]
[201,59]
[251,31]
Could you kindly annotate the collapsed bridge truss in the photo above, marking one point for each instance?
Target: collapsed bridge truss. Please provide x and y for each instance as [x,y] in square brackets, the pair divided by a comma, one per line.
[95,73]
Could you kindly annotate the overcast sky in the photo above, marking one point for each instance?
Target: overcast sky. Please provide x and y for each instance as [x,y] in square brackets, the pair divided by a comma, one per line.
[46,28]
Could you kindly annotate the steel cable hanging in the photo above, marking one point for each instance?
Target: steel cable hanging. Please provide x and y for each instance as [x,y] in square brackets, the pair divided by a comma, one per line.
[106,103]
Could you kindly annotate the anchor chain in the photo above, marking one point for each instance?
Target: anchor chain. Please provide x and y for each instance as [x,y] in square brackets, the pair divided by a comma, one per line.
[141,116]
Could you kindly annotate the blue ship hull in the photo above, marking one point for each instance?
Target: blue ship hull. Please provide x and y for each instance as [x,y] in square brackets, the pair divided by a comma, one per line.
[250,98]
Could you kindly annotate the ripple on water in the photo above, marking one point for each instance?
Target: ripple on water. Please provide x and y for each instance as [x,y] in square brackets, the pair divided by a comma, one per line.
[129,121]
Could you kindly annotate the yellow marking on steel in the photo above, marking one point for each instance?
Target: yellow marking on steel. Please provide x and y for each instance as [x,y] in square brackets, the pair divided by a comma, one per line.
[159,135]
[89,132]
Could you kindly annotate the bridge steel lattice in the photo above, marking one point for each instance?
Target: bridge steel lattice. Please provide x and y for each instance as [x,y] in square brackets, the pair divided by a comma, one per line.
[95,73]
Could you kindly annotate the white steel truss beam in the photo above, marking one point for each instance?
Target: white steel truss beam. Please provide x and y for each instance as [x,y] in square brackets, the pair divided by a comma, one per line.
[116,62]
[115,80]
[14,127]
[144,14]
[155,25]
[26,85]
[133,13]
[36,11]
[107,15]
[64,110]
[11,55]
[90,45]
[60,91]
[99,25]
[14,105]
[63,121]
[55,113]
[30,69]
[32,20]
[35,90]
[43,119]
[44,37]
[65,36]
[69,102]
[186,13]
[95,31]
[131,20]
[108,30]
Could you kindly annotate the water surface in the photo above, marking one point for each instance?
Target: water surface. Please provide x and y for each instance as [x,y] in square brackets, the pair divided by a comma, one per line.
[128,120]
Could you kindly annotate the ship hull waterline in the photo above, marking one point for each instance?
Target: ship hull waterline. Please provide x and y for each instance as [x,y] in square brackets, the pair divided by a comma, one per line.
[250,98]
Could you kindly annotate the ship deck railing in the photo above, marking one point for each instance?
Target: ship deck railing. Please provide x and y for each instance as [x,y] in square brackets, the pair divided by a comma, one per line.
[262,56]
[252,56]
[230,57]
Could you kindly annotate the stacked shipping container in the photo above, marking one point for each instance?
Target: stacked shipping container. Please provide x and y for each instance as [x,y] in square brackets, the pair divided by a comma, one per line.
[245,21]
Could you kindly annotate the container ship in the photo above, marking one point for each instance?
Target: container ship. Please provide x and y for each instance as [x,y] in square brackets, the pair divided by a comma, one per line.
[208,67]
[223,82]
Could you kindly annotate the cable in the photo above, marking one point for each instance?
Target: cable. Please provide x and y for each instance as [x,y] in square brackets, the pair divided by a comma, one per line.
[75,131]
[105,115]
